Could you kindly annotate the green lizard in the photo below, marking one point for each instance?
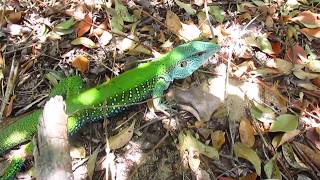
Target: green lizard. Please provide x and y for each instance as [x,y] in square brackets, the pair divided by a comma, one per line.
[148,80]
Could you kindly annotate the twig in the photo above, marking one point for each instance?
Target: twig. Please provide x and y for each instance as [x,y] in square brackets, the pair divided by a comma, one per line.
[10,85]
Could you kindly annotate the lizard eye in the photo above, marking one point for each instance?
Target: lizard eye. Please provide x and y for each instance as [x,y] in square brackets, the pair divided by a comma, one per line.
[198,54]
[183,64]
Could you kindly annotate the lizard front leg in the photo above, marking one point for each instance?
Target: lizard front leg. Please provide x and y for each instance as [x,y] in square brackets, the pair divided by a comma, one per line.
[160,86]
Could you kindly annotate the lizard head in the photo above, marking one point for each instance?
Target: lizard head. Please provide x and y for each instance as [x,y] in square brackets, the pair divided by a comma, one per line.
[187,58]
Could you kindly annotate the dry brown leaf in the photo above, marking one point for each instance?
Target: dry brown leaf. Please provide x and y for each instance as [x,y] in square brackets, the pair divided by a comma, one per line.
[15,17]
[269,21]
[81,63]
[92,162]
[173,22]
[311,32]
[246,132]
[8,108]
[314,136]
[218,139]
[204,25]
[287,137]
[308,19]
[276,47]
[313,155]
[252,176]
[84,25]
[316,82]
[296,55]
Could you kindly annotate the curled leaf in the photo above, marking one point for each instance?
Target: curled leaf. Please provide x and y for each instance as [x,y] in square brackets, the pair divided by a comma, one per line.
[243,151]
[84,41]
[122,138]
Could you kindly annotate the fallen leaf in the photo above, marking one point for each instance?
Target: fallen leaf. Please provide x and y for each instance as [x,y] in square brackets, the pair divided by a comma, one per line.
[202,102]
[276,47]
[204,25]
[218,139]
[173,22]
[105,38]
[280,139]
[15,17]
[312,154]
[187,7]
[314,65]
[264,45]
[78,152]
[314,136]
[246,132]
[296,54]
[92,162]
[308,19]
[122,11]
[198,2]
[189,143]
[217,13]
[67,24]
[9,106]
[84,25]
[291,158]
[269,21]
[263,113]
[84,41]
[81,63]
[243,151]
[284,123]
[251,176]
[305,75]
[315,33]
[101,28]
[307,85]
[189,32]
[122,138]
[271,168]
[283,66]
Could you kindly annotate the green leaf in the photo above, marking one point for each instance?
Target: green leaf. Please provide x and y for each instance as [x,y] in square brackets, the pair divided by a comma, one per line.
[284,123]
[243,151]
[84,41]
[122,12]
[187,7]
[117,24]
[66,24]
[271,168]
[264,45]
[189,143]
[217,13]
[262,113]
